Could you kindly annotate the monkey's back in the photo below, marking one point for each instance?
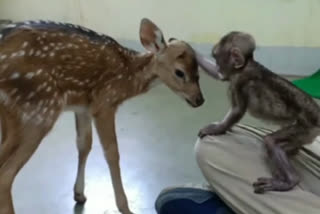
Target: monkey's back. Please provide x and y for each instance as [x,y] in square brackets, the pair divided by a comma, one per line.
[275,99]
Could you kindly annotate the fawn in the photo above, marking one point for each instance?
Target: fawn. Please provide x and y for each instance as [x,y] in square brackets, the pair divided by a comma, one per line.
[47,68]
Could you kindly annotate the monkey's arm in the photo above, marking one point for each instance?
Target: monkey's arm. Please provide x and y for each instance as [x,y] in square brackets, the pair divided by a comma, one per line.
[210,67]
[239,105]
[232,117]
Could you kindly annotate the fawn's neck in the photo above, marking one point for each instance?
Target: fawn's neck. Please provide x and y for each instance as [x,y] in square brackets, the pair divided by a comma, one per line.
[143,66]
[135,79]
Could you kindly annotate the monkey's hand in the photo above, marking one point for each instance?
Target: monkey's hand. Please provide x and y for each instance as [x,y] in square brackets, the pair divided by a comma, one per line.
[263,185]
[212,129]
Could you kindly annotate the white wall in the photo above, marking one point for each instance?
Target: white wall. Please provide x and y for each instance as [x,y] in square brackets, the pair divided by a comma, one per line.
[272,22]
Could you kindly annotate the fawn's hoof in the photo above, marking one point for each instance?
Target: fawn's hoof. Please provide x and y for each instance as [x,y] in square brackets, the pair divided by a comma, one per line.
[80,198]
[125,211]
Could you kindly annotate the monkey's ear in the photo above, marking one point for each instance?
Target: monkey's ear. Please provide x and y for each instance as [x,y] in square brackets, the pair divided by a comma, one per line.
[237,58]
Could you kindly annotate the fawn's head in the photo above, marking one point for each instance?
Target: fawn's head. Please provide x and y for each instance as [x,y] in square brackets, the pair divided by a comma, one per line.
[175,63]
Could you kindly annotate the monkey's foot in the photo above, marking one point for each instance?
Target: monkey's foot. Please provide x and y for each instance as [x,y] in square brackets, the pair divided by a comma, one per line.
[263,185]
[212,129]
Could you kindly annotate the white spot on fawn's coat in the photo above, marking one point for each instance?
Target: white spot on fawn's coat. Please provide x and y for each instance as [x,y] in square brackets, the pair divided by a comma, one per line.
[13,91]
[39,71]
[21,53]
[2,57]
[31,95]
[3,96]
[25,44]
[29,75]
[15,75]
[38,53]
[14,54]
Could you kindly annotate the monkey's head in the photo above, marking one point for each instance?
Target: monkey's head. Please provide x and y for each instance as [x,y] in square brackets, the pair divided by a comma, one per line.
[233,52]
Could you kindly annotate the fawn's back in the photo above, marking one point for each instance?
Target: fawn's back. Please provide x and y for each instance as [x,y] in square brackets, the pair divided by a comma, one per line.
[46,67]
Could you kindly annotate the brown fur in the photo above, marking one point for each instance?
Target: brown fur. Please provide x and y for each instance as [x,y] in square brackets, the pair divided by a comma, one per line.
[47,68]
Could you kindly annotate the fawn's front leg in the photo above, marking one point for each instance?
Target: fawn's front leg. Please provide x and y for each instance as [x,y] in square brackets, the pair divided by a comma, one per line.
[105,124]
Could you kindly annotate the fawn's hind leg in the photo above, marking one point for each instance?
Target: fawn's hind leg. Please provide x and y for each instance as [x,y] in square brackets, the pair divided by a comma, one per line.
[20,142]
[6,147]
[84,143]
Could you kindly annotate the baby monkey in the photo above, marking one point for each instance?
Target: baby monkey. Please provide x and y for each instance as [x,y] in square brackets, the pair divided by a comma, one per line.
[269,97]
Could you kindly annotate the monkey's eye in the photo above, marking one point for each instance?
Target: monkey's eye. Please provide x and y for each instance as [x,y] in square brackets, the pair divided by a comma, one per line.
[179,73]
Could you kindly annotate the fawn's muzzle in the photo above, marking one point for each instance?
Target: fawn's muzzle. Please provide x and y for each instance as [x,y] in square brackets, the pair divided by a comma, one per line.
[196,102]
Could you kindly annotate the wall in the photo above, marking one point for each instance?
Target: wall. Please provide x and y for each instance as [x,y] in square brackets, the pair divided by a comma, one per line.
[285,29]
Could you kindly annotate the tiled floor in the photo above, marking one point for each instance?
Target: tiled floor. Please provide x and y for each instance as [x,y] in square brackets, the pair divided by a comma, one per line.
[156,134]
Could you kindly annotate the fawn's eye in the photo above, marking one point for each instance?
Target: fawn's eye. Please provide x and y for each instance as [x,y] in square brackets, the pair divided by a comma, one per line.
[179,73]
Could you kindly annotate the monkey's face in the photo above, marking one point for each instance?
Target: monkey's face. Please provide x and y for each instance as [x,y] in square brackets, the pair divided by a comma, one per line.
[233,52]
[177,67]
[223,60]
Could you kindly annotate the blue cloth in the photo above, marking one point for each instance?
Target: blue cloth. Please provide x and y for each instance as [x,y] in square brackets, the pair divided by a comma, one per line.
[190,201]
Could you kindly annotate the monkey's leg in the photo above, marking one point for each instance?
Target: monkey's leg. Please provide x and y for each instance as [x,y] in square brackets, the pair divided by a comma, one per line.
[300,135]
[292,138]
[288,177]
[281,138]
[290,148]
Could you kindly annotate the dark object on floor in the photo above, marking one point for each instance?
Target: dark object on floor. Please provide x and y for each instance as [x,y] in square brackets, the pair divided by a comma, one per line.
[190,201]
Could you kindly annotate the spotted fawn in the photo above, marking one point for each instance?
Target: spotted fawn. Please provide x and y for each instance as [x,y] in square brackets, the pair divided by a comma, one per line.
[48,67]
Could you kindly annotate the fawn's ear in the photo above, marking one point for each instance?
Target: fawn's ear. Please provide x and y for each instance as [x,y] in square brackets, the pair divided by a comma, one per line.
[151,36]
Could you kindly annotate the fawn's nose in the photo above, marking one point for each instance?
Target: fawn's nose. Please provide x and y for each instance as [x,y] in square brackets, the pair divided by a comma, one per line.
[199,100]
[196,102]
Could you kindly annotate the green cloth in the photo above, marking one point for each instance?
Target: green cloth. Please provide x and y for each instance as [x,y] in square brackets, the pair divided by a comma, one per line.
[311,84]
